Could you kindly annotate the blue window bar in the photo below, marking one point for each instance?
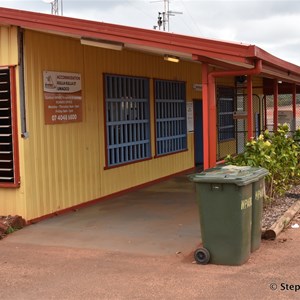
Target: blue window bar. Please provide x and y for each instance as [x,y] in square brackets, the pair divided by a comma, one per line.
[170,109]
[127,119]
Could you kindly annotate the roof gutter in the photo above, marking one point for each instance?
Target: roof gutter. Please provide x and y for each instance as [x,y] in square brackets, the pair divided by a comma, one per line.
[254,71]
[212,111]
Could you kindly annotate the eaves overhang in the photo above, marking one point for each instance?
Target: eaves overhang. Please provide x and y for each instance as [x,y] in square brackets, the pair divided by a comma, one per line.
[223,54]
[133,37]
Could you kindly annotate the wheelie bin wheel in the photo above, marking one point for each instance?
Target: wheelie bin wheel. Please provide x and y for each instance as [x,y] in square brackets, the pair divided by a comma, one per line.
[202,256]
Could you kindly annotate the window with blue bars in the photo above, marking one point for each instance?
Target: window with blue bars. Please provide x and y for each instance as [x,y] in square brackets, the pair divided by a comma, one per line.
[226,128]
[127,119]
[170,110]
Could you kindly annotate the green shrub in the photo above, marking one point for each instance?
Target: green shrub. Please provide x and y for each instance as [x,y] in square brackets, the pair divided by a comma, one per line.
[278,153]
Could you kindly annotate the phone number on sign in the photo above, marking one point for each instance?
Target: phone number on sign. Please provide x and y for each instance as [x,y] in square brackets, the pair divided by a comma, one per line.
[64,117]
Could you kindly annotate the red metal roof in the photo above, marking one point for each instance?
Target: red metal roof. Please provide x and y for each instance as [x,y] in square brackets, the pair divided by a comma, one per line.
[200,48]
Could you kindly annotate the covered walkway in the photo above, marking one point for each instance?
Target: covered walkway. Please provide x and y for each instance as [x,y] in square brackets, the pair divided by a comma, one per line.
[158,220]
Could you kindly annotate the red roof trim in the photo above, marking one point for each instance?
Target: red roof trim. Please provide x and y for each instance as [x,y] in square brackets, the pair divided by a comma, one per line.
[209,48]
[275,61]
[120,33]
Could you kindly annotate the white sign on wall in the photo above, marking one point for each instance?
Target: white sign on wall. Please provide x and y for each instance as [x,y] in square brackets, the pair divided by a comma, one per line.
[190,116]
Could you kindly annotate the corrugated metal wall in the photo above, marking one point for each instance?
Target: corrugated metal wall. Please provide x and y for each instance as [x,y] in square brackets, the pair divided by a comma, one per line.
[65,164]
[8,49]
[11,199]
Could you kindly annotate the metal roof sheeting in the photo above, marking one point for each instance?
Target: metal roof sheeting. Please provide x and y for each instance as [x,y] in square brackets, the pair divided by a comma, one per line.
[201,49]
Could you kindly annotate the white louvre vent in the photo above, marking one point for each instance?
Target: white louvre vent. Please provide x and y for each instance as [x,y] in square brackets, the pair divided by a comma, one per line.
[6,134]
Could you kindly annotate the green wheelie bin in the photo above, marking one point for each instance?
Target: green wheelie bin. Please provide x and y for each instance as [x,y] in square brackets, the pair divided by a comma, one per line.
[258,195]
[224,197]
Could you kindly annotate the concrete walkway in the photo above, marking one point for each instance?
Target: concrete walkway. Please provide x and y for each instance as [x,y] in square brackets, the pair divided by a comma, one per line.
[160,219]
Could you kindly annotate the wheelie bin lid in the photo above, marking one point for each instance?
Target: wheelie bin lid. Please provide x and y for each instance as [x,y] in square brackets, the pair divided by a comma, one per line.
[239,175]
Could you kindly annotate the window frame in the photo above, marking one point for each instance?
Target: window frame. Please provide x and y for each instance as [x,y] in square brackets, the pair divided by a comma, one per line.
[182,118]
[14,129]
[127,103]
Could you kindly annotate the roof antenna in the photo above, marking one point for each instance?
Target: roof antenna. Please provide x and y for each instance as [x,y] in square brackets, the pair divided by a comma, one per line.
[163,20]
[55,6]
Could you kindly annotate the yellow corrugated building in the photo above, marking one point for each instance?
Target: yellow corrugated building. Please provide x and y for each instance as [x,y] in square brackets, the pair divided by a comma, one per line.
[64,165]
[88,121]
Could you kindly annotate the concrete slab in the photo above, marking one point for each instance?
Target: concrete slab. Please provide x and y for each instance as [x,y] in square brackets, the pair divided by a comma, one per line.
[161,219]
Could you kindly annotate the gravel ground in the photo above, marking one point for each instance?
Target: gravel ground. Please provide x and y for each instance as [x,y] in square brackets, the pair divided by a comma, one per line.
[35,272]
[279,206]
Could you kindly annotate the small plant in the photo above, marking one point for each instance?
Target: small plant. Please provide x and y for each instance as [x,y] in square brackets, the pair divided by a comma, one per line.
[10,230]
[279,153]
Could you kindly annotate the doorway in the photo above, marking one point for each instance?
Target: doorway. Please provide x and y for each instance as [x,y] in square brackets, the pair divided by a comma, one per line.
[198,131]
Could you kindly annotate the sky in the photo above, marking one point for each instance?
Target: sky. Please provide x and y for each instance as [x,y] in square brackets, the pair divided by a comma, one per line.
[272,25]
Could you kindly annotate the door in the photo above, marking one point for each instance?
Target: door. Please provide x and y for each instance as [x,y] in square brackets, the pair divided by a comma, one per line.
[198,132]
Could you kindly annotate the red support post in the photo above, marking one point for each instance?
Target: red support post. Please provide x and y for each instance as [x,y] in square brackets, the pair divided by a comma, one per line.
[212,121]
[205,116]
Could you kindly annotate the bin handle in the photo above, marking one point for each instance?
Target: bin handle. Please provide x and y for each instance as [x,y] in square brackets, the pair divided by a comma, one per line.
[216,187]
